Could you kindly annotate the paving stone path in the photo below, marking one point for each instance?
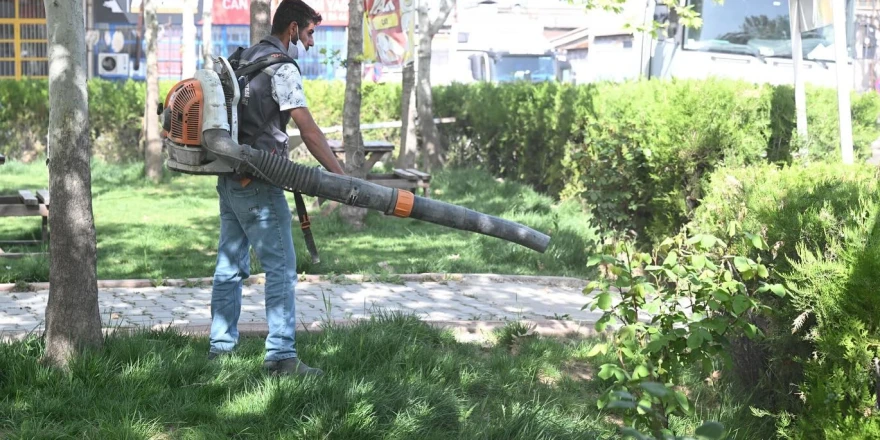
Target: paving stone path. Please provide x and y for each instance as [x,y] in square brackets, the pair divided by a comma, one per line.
[468,302]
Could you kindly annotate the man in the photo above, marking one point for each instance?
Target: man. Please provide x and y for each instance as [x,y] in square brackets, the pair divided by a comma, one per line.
[255,213]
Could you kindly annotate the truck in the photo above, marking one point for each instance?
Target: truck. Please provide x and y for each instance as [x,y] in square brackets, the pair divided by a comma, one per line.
[513,48]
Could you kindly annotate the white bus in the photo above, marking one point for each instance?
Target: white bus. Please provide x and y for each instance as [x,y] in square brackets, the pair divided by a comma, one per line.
[751,40]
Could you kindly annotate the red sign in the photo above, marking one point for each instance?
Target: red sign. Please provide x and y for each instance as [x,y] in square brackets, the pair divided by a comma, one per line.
[333,12]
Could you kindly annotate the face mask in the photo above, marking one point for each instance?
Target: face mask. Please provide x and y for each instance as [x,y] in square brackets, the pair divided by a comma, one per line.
[294,50]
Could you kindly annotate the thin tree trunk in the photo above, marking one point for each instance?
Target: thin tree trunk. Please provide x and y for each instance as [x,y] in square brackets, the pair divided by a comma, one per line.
[261,20]
[351,112]
[207,34]
[153,151]
[433,149]
[188,43]
[73,321]
[409,143]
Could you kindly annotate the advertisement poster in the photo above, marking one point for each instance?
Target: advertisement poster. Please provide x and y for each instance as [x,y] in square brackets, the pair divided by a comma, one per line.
[389,27]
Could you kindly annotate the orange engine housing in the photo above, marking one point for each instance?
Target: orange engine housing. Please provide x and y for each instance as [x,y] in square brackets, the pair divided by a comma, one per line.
[185,103]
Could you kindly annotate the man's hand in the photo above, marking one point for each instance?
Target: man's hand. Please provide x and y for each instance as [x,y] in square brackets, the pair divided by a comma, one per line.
[314,139]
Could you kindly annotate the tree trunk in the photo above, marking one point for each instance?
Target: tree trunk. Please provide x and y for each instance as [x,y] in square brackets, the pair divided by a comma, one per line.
[351,112]
[153,151]
[409,143]
[73,321]
[188,41]
[433,149]
[207,34]
[261,20]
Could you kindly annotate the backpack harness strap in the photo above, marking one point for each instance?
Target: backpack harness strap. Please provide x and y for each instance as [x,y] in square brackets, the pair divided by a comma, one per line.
[245,72]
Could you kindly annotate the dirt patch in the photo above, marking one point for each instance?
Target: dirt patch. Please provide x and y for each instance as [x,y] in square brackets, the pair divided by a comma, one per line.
[546,379]
[579,371]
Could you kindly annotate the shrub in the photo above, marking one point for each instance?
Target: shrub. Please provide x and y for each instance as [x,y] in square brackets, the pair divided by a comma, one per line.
[637,152]
[116,111]
[518,130]
[676,309]
[821,220]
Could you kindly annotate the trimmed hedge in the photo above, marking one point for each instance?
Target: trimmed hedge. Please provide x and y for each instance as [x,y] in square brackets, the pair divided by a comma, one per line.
[116,110]
[638,153]
[821,221]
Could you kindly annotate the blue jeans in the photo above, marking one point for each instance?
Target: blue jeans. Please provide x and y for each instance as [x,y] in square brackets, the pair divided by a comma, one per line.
[256,215]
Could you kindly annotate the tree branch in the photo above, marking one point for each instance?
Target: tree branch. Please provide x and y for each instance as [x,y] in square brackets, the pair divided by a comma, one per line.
[445,8]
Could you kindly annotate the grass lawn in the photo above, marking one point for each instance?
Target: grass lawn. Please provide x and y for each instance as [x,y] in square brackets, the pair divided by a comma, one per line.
[393,377]
[170,230]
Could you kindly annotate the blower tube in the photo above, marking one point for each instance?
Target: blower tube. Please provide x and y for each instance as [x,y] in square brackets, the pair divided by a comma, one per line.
[352,191]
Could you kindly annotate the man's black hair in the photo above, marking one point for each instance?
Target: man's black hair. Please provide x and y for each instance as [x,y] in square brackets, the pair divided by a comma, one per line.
[293,10]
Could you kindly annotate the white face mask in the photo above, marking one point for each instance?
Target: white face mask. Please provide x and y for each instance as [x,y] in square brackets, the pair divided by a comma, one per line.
[295,50]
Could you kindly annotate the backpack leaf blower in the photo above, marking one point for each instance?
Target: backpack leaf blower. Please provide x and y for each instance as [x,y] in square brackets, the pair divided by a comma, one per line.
[200,135]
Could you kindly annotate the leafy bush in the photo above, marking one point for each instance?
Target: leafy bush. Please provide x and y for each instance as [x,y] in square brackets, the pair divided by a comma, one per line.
[517,130]
[638,153]
[116,111]
[24,118]
[821,220]
[677,308]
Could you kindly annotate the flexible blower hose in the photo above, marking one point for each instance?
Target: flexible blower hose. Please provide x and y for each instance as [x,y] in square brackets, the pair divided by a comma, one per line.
[352,191]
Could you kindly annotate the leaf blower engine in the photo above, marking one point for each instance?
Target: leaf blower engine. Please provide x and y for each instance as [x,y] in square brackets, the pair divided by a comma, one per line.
[200,136]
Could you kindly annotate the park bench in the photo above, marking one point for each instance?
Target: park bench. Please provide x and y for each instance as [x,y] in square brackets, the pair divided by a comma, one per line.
[410,179]
[25,204]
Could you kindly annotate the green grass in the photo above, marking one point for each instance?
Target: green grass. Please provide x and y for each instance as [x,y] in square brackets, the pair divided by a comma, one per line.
[393,377]
[170,230]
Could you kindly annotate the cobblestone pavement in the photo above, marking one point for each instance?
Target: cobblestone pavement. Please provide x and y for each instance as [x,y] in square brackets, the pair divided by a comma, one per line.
[466,300]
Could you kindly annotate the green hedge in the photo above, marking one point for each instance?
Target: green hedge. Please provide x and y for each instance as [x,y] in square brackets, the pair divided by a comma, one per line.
[637,153]
[821,221]
[116,110]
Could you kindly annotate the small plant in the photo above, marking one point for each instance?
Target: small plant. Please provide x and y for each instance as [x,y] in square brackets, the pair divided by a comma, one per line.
[676,308]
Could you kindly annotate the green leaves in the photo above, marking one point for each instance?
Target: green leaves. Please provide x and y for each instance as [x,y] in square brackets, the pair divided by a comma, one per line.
[597,350]
[741,303]
[710,430]
[694,292]
[777,289]
[742,264]
[607,371]
[655,389]
[604,301]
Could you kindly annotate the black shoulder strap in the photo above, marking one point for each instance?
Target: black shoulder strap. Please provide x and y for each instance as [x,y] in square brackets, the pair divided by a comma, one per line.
[247,68]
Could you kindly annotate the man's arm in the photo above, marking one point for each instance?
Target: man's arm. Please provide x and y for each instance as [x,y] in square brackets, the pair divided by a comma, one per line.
[314,139]
[287,90]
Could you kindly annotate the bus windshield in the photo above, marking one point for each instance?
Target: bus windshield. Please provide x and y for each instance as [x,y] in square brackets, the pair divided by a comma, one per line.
[521,67]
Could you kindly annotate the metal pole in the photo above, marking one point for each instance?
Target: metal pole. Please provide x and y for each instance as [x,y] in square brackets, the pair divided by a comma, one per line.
[797,54]
[844,81]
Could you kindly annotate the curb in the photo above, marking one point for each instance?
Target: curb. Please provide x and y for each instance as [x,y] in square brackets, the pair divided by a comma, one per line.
[468,330]
[261,279]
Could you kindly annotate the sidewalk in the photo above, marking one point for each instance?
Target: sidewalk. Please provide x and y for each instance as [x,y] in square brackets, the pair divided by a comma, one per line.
[469,304]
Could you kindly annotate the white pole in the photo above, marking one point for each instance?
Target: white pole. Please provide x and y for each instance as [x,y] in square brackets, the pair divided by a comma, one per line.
[844,81]
[797,53]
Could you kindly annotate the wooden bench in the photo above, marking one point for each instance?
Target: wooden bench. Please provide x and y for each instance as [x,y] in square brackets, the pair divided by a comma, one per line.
[25,204]
[409,179]
[373,151]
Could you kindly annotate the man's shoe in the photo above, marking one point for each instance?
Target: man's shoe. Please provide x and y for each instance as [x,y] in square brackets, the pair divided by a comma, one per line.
[291,366]
[213,355]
